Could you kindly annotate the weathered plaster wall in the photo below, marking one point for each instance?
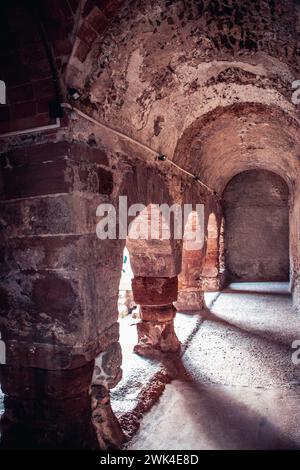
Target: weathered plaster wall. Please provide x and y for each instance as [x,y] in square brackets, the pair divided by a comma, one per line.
[257,227]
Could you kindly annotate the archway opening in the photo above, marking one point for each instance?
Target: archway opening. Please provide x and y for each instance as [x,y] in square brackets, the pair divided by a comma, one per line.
[256,209]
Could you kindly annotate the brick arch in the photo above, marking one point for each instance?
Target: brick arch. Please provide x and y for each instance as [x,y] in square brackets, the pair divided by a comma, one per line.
[36,43]
[223,142]
[94,18]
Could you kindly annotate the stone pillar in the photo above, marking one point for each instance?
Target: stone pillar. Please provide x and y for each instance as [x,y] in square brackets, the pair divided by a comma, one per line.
[155,262]
[211,278]
[156,332]
[58,293]
[47,409]
[190,293]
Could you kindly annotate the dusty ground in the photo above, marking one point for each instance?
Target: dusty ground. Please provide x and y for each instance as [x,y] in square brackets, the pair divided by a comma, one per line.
[239,389]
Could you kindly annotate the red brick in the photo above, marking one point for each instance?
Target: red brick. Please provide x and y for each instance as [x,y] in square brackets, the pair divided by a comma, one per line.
[82,51]
[15,76]
[34,180]
[43,104]
[97,20]
[20,93]
[87,34]
[22,110]
[44,88]
[57,150]
[106,183]
[33,52]
[112,8]
[4,127]
[29,122]
[40,70]
[38,153]
[160,313]
[62,46]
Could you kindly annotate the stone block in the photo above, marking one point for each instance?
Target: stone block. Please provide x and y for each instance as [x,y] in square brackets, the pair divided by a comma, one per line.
[154,290]
[161,313]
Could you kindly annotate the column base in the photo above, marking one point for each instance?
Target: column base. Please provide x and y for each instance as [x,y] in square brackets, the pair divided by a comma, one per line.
[108,429]
[155,338]
[189,301]
[213,284]
[47,409]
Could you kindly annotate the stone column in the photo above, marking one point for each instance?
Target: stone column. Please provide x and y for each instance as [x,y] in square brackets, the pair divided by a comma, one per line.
[47,409]
[156,332]
[190,293]
[58,294]
[211,278]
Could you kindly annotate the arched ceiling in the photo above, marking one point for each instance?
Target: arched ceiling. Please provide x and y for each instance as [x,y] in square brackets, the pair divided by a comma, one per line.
[163,68]
[241,137]
[207,82]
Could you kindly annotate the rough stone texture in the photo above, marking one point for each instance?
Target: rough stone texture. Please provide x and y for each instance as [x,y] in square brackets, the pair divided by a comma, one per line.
[194,255]
[257,227]
[189,300]
[157,313]
[55,315]
[107,427]
[156,332]
[189,59]
[156,337]
[47,409]
[154,290]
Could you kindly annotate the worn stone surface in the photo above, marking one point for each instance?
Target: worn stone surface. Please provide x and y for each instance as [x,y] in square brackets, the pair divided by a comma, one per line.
[159,313]
[156,332]
[189,300]
[154,290]
[47,409]
[156,337]
[107,427]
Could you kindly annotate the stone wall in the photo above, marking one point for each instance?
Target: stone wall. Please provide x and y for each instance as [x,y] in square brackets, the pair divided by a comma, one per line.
[257,227]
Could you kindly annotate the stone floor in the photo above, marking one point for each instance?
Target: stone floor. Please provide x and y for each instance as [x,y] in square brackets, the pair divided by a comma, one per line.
[139,371]
[239,388]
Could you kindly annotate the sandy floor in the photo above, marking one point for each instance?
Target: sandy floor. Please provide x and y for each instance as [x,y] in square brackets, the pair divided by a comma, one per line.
[241,390]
